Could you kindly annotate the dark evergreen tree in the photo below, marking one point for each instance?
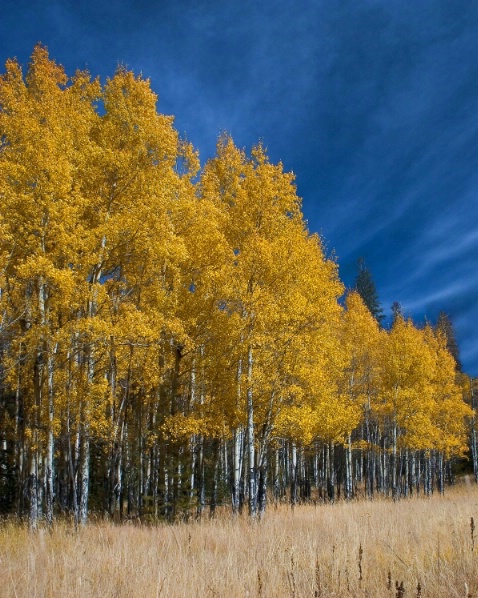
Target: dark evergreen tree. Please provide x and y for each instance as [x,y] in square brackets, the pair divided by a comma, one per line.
[396,311]
[365,287]
[445,326]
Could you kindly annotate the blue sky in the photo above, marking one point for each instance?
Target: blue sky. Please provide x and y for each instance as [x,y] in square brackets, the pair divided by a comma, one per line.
[372,103]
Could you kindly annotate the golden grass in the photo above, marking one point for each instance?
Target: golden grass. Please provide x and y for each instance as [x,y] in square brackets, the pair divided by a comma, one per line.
[312,551]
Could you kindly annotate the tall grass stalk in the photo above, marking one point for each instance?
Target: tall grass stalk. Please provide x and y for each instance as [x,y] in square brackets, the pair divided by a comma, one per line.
[417,543]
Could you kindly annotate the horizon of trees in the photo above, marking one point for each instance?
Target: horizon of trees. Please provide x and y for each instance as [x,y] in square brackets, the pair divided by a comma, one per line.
[171,336]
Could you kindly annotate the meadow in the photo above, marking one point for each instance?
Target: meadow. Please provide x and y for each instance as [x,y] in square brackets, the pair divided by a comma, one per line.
[415,547]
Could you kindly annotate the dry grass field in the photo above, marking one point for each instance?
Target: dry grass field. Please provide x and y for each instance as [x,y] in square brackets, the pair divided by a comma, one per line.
[347,549]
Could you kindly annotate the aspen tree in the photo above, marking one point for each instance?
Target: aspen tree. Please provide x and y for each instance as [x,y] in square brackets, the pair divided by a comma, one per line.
[91,200]
[138,195]
[449,412]
[42,150]
[360,338]
[406,388]
[267,290]
[310,367]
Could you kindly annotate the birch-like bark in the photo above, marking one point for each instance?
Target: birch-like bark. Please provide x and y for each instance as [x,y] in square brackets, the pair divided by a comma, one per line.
[201,487]
[49,471]
[393,465]
[348,469]
[316,465]
[38,375]
[33,489]
[330,471]
[84,442]
[84,474]
[85,411]
[262,491]
[427,478]
[276,482]
[192,441]
[419,474]
[237,449]
[251,438]
[19,439]
[215,479]
[413,482]
[384,469]
[293,476]
[200,475]
[38,383]
[440,473]
[333,472]
[238,444]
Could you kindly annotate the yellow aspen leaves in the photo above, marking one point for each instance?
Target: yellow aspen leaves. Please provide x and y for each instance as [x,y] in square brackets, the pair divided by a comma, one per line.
[152,309]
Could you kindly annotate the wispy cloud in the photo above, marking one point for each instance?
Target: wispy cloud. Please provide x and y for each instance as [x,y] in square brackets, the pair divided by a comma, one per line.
[371,104]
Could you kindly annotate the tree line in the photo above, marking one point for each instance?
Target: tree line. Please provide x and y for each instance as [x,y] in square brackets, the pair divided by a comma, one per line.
[172,336]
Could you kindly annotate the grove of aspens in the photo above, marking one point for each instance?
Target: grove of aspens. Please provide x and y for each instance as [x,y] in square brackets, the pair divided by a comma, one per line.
[173,338]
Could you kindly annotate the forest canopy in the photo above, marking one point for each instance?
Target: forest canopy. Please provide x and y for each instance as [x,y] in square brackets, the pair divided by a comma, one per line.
[171,335]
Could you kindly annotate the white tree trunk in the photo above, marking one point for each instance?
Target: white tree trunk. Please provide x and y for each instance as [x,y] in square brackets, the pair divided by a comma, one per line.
[33,489]
[348,469]
[251,438]
[85,476]
[293,476]
[49,465]
[238,443]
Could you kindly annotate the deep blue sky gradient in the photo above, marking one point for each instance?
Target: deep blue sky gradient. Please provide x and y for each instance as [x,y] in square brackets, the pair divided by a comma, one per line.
[373,104]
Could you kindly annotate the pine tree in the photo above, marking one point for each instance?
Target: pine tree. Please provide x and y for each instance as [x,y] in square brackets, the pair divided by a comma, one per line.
[365,287]
[444,326]
[396,311]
